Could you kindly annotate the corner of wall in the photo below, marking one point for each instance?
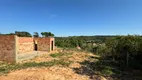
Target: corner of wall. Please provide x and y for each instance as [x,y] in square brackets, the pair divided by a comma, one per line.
[16,48]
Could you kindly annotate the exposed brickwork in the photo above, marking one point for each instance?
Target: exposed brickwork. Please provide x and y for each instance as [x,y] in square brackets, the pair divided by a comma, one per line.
[43,44]
[11,46]
[25,44]
[7,48]
[25,39]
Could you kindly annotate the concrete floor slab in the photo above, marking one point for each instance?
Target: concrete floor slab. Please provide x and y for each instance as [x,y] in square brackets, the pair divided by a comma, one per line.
[29,55]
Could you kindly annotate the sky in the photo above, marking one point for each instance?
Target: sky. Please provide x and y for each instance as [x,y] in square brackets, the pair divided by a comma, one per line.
[72,17]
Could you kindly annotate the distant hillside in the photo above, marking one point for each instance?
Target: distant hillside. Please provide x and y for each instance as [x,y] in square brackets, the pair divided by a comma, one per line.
[98,38]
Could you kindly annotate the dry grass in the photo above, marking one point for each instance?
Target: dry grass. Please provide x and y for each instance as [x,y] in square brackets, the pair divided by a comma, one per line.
[57,65]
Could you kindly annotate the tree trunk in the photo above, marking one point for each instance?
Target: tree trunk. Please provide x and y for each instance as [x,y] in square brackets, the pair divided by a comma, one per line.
[113,58]
[113,55]
[127,59]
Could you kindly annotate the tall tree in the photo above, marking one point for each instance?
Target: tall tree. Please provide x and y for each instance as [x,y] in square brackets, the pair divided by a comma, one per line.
[36,34]
[47,34]
[23,34]
[124,47]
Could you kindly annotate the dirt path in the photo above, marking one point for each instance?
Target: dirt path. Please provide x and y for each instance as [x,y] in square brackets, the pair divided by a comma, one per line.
[56,72]
[52,73]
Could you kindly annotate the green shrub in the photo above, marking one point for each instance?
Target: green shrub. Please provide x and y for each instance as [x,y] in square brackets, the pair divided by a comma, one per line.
[107,70]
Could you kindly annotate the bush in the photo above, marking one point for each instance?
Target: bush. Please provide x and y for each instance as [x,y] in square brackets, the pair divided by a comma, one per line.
[125,48]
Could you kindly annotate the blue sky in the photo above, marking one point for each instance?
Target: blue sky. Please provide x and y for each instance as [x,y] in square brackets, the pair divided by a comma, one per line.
[72,17]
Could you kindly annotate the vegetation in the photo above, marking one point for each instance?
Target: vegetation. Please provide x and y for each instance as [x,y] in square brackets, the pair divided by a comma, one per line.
[81,41]
[59,54]
[27,34]
[20,34]
[36,34]
[69,42]
[118,54]
[47,34]
[126,49]
[5,68]
[56,55]
[23,34]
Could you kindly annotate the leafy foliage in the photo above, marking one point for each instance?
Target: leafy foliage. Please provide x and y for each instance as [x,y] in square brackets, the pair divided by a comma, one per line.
[23,34]
[85,42]
[36,34]
[124,48]
[47,34]
[27,34]
[69,42]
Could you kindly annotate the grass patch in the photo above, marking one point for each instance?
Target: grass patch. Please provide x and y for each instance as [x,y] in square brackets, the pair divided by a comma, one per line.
[107,70]
[5,68]
[98,66]
[56,55]
[60,54]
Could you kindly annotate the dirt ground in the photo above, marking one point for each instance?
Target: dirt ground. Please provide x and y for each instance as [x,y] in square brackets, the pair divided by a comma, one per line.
[56,72]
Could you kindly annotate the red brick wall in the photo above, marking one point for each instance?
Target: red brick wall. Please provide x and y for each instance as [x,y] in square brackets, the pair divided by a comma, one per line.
[43,44]
[7,48]
[25,44]
[10,45]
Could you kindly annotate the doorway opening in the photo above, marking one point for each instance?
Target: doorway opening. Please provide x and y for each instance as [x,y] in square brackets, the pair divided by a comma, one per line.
[35,46]
[52,45]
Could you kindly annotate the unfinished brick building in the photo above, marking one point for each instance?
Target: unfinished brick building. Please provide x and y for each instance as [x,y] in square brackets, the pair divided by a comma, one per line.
[11,46]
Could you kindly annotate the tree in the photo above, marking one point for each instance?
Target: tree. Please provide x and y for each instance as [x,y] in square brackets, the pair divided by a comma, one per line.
[36,34]
[23,34]
[124,47]
[127,46]
[47,34]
